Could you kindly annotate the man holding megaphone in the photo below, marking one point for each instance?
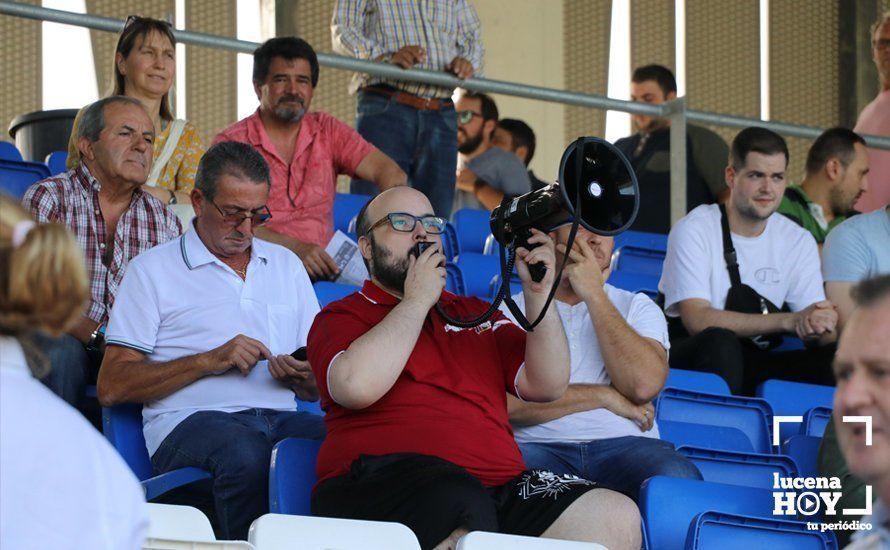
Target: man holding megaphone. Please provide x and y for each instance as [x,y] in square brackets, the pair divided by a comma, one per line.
[416,407]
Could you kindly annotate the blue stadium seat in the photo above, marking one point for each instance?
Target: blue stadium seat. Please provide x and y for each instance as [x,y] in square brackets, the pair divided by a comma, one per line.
[815,421]
[641,239]
[56,162]
[454,280]
[16,176]
[735,468]
[752,416]
[515,286]
[669,505]
[292,476]
[473,229]
[638,260]
[478,271]
[346,207]
[122,426]
[704,436]
[794,399]
[706,382]
[804,449]
[311,407]
[635,282]
[450,243]
[328,292]
[8,151]
[711,530]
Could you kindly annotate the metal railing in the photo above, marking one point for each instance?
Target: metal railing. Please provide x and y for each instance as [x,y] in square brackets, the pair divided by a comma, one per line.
[676,110]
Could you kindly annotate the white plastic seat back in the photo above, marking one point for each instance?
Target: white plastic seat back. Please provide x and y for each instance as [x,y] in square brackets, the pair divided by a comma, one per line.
[282,532]
[169,521]
[170,544]
[482,540]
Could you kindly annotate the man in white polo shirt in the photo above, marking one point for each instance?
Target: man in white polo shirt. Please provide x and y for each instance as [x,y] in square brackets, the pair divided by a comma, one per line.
[202,333]
[603,428]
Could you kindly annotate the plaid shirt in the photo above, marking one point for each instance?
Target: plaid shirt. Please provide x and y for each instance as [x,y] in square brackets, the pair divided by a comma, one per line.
[367,29]
[72,199]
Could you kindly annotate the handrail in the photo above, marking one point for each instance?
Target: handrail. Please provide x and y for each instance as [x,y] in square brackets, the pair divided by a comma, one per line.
[438,78]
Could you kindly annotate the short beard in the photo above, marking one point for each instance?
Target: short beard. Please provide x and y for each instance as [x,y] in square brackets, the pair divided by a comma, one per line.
[470,145]
[655,124]
[286,113]
[388,272]
[751,213]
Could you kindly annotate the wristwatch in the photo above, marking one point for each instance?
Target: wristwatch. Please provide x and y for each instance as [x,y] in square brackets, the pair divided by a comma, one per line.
[172,197]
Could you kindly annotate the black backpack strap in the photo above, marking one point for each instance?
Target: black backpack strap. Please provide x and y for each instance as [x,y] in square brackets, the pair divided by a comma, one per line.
[729,255]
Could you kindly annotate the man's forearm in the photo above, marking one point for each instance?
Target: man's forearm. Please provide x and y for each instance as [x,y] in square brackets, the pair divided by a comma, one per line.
[286,241]
[490,197]
[635,367]
[139,381]
[356,382]
[577,398]
[547,361]
[742,324]
[83,329]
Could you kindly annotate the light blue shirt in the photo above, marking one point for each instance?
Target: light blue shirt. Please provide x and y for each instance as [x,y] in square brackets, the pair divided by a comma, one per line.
[858,249]
[879,536]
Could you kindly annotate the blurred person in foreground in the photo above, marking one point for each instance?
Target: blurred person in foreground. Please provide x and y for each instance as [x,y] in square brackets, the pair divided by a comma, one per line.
[61,484]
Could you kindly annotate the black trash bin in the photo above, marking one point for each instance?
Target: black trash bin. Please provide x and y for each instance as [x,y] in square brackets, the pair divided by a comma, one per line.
[40,133]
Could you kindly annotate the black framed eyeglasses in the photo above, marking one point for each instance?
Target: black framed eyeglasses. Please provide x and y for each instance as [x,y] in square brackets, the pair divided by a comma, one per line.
[236,216]
[464,117]
[405,222]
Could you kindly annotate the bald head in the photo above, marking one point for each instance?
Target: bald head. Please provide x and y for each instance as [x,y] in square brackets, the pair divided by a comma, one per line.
[395,199]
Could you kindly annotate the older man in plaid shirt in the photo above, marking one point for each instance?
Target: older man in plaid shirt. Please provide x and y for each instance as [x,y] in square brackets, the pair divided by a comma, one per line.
[102,202]
[436,35]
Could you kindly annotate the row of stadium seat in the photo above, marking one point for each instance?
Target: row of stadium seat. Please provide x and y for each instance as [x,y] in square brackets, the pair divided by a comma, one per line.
[16,174]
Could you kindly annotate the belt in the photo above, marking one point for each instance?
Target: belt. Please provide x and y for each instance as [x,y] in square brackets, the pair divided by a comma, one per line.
[411,100]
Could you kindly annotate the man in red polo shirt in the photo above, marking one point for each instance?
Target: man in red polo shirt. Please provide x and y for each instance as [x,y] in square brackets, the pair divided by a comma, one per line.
[305,151]
[416,408]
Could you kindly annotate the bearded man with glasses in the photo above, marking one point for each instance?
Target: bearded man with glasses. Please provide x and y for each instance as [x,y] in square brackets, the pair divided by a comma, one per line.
[201,335]
[416,408]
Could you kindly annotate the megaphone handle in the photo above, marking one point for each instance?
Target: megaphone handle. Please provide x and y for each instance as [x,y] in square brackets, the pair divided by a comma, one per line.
[536,270]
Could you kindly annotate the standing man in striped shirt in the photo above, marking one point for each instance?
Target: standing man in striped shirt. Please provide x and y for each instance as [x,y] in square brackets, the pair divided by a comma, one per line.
[414,124]
[102,202]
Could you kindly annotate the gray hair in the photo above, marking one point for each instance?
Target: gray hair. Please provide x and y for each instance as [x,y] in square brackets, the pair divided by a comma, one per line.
[878,24]
[233,158]
[92,120]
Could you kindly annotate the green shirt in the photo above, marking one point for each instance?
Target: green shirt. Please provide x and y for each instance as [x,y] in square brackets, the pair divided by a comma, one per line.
[798,207]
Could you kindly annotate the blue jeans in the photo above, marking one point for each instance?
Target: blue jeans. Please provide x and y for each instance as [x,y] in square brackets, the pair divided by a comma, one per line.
[619,463]
[70,367]
[236,449]
[422,143]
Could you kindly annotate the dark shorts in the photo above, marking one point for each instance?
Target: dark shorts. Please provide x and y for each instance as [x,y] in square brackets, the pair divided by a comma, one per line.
[433,497]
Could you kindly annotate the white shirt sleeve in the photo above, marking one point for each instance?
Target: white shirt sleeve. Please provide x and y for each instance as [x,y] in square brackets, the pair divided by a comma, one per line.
[805,286]
[687,265]
[647,319]
[135,317]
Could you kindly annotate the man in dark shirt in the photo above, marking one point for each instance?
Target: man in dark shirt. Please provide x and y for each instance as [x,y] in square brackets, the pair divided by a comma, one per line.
[649,152]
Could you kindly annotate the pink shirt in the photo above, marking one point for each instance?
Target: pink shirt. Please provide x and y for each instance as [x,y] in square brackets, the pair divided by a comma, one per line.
[302,194]
[875,119]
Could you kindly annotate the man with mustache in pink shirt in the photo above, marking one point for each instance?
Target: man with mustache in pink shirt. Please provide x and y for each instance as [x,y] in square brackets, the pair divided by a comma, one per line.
[306,151]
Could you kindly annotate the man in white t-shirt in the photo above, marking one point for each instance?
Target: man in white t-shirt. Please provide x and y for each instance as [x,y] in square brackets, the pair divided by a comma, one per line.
[776,258]
[202,332]
[603,429]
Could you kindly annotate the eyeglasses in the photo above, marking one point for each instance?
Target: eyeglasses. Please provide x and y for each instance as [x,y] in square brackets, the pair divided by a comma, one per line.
[881,44]
[404,222]
[235,217]
[464,117]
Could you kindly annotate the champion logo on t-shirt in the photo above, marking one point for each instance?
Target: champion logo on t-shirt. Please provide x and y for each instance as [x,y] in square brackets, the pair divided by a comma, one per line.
[768,276]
